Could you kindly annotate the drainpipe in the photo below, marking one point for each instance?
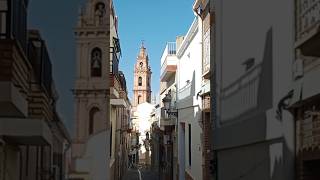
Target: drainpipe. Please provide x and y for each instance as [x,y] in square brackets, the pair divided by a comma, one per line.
[2,163]
[66,172]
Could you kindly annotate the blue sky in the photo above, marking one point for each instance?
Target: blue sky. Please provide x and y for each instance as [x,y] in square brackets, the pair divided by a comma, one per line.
[155,22]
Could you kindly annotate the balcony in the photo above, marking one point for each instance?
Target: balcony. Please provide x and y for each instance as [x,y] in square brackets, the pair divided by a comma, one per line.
[28,132]
[206,103]
[40,103]
[118,102]
[308,132]
[15,73]
[308,21]
[185,92]
[165,120]
[168,62]
[242,95]
[115,86]
[206,55]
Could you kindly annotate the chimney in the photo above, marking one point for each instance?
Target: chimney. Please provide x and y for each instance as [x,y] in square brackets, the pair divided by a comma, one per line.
[179,41]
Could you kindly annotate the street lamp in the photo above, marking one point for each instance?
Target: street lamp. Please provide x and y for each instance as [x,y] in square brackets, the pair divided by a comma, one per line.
[167,105]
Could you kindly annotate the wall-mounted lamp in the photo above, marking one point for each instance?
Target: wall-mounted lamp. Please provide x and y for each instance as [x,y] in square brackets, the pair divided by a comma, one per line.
[199,93]
[167,105]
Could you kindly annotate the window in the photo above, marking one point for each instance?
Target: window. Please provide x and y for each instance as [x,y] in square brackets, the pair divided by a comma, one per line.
[96,56]
[92,118]
[189,144]
[140,81]
[14,15]
[3,19]
[139,99]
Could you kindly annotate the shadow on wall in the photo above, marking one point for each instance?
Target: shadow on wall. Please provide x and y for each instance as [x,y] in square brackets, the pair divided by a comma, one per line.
[189,114]
[188,91]
[257,157]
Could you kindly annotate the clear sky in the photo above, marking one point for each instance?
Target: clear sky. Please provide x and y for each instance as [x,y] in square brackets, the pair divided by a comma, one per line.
[154,21]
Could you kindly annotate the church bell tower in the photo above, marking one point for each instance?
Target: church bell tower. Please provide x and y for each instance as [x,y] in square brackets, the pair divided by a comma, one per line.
[91,89]
[142,78]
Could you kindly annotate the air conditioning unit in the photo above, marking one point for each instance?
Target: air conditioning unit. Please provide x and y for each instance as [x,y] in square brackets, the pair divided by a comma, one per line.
[298,69]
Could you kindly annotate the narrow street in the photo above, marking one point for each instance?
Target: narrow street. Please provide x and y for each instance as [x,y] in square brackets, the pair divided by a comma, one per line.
[168,90]
[141,173]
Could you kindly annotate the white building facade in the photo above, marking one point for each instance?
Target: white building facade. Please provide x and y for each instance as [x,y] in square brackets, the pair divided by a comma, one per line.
[253,45]
[189,79]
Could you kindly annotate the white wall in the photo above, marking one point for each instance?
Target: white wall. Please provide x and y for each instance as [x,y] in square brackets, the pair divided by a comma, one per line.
[189,68]
[255,147]
[96,158]
[144,121]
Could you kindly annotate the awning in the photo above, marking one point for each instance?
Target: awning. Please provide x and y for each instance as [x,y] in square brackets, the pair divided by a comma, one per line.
[25,131]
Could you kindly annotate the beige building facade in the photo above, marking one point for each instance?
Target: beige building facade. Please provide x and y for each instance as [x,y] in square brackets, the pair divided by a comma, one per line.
[90,150]
[33,138]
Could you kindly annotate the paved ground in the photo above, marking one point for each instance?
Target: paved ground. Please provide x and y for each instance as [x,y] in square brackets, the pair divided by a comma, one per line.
[131,174]
[145,172]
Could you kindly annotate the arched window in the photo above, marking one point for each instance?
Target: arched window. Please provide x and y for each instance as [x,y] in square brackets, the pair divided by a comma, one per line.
[140,81]
[96,59]
[139,99]
[93,116]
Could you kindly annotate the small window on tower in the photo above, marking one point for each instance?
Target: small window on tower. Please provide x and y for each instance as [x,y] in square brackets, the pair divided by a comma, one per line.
[141,64]
[140,81]
[139,99]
